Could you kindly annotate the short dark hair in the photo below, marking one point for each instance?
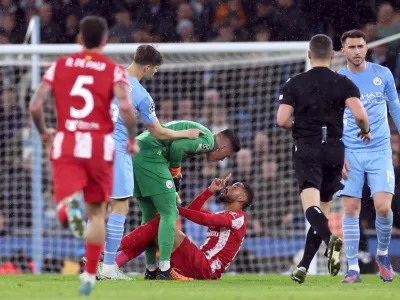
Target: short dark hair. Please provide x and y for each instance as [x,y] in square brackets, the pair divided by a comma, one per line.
[321,46]
[352,34]
[233,139]
[148,55]
[249,195]
[93,30]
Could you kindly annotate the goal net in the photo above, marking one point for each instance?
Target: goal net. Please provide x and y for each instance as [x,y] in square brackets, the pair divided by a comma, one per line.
[216,85]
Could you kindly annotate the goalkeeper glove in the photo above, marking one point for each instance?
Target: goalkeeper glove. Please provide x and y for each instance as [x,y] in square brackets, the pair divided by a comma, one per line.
[177,177]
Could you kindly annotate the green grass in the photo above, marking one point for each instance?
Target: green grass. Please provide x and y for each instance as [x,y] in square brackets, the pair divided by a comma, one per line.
[266,287]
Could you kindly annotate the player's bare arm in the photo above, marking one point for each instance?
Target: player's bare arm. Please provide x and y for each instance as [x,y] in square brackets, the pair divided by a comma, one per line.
[161,133]
[284,114]
[361,117]
[42,93]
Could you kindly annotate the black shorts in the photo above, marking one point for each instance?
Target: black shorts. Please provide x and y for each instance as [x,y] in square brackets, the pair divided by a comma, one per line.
[319,165]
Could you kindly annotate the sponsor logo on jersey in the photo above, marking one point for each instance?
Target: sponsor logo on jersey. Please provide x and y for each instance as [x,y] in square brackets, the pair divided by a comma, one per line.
[169,184]
[213,233]
[377,81]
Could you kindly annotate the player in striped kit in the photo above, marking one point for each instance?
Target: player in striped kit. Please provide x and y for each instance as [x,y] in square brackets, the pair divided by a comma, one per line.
[225,235]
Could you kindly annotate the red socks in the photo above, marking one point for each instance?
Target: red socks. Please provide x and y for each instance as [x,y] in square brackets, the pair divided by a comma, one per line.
[93,255]
[137,241]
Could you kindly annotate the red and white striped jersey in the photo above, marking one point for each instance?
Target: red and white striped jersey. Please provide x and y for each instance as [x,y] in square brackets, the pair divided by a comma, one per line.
[223,243]
[83,89]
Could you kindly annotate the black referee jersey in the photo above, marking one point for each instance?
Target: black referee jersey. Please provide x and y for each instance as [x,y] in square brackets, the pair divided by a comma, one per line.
[318,97]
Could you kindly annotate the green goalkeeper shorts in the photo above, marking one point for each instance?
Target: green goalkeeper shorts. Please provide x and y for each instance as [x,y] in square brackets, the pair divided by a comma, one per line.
[151,174]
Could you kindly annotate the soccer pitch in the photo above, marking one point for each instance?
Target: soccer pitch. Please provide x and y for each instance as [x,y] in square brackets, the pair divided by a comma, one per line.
[46,287]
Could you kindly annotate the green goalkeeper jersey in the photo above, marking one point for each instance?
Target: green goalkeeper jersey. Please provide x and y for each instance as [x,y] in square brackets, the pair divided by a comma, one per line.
[175,151]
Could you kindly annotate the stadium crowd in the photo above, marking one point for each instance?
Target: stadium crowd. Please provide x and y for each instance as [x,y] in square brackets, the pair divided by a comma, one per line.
[261,161]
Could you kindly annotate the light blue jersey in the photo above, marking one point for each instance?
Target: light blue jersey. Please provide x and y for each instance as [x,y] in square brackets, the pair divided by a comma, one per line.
[377,87]
[143,104]
[123,170]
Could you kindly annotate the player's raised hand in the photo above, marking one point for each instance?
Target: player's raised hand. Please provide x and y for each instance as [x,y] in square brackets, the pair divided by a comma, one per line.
[132,148]
[194,133]
[346,168]
[366,137]
[48,136]
[219,184]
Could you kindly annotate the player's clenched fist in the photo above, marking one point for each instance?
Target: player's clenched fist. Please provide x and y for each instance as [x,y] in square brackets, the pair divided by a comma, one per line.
[132,148]
[48,135]
[193,133]
[219,184]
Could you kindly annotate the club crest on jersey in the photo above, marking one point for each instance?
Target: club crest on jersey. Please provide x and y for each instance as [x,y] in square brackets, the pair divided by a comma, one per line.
[169,184]
[377,81]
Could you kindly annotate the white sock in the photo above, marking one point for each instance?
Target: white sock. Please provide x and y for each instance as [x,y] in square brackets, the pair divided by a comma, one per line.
[354,268]
[88,277]
[164,265]
[381,252]
[108,268]
[151,267]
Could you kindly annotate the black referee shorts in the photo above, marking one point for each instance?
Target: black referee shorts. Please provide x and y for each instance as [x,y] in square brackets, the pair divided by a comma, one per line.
[319,165]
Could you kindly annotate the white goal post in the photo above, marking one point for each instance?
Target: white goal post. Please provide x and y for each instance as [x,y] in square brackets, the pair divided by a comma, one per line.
[221,85]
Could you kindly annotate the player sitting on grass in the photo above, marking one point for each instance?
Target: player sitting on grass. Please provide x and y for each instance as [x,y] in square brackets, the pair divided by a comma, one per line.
[225,235]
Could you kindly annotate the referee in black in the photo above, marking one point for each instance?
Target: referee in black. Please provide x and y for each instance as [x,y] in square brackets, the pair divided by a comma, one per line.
[317,99]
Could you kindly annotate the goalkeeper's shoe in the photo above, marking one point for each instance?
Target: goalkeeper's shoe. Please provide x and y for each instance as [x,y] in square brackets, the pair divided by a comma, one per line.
[114,274]
[352,277]
[171,274]
[299,274]
[75,219]
[334,247]
[385,268]
[150,275]
[86,283]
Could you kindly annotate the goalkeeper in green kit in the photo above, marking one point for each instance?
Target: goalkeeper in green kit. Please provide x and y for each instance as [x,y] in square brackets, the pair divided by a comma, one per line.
[157,176]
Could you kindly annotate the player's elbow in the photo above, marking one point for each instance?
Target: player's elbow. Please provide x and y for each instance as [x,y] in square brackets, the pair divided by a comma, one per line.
[35,106]
[281,120]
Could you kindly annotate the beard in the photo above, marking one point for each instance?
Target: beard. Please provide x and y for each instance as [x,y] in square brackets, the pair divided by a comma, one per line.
[224,198]
[355,63]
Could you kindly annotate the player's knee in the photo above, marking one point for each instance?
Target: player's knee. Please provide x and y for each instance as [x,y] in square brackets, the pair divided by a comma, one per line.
[351,207]
[95,211]
[383,209]
[120,206]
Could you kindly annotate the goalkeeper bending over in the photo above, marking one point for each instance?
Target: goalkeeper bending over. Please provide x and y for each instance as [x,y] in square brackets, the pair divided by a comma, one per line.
[157,174]
[225,235]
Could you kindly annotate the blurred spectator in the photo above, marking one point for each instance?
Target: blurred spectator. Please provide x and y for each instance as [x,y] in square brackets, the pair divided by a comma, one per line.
[185,32]
[166,111]
[185,12]
[71,30]
[244,167]
[210,102]
[225,32]
[241,34]
[121,31]
[11,7]
[185,110]
[380,56]
[10,28]
[4,38]
[83,8]
[292,26]
[262,34]
[226,7]
[49,30]
[261,144]
[388,25]
[219,119]
[141,34]
[266,18]
[370,31]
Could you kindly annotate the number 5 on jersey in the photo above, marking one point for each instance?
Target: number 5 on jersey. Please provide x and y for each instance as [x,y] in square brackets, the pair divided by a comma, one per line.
[79,90]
